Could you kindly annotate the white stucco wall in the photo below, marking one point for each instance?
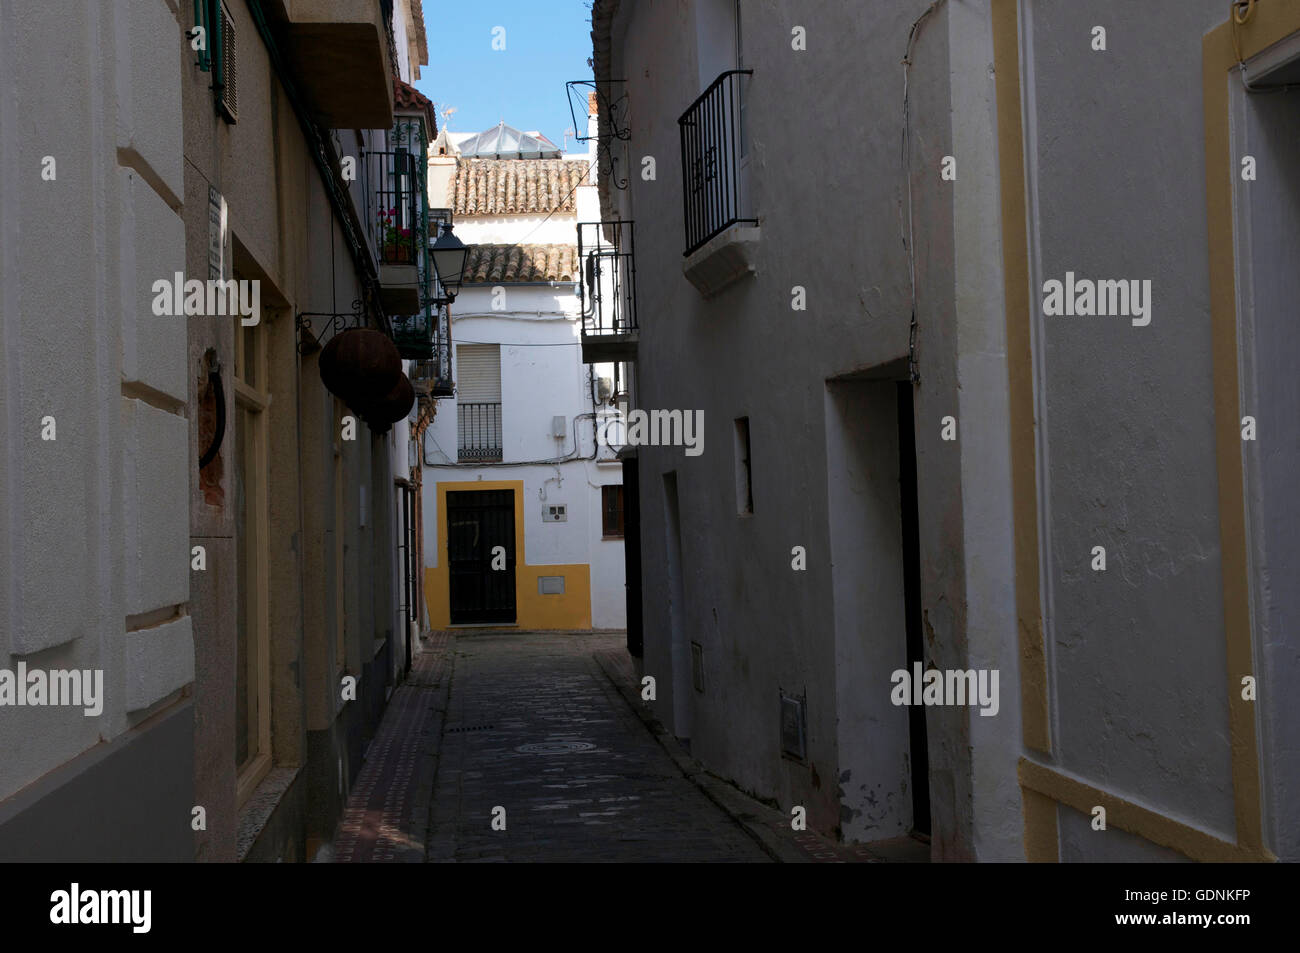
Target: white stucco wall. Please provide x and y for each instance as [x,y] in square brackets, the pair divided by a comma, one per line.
[94,527]
[828,208]
[1126,451]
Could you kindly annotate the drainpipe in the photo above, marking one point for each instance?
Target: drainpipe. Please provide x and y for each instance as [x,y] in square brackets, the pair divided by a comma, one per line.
[320,153]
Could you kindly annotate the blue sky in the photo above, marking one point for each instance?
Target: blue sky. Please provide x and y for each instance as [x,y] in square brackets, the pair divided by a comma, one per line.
[547,42]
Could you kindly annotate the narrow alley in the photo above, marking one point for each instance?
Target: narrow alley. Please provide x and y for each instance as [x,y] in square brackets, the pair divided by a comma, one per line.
[601,431]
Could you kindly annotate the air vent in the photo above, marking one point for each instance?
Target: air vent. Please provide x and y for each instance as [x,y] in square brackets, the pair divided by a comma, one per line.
[793,727]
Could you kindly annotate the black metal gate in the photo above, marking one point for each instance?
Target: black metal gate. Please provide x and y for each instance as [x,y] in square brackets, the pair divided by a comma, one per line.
[478,522]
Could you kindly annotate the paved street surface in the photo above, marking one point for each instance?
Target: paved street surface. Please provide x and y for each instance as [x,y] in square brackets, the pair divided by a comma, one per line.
[550,727]
[599,788]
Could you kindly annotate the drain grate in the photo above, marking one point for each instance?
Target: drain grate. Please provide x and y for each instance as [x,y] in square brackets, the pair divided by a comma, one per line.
[555,747]
[460,728]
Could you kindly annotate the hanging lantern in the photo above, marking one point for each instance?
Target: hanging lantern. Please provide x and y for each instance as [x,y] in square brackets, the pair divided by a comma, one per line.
[360,365]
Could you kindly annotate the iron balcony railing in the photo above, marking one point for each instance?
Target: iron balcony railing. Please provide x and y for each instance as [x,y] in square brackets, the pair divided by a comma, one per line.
[399,219]
[712,134]
[424,338]
[607,290]
[414,335]
[478,432]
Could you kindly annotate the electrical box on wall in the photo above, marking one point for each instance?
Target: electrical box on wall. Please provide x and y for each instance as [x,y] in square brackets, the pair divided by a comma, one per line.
[555,513]
[794,727]
[558,430]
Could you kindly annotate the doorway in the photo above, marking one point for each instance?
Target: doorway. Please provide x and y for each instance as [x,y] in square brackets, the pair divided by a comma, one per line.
[681,656]
[875,589]
[481,576]
[917,739]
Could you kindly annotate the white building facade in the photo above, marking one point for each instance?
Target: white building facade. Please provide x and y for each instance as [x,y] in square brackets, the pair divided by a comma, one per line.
[522,508]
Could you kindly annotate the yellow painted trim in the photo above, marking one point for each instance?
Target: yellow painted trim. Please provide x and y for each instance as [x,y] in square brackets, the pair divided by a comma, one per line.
[1035,718]
[1147,824]
[1040,784]
[571,610]
[1270,23]
[1042,839]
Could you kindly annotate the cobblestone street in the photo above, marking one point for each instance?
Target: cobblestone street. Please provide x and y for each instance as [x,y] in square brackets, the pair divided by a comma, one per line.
[549,727]
[616,796]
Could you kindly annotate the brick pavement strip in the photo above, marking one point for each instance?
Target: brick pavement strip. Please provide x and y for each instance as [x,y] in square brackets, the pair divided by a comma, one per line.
[387,815]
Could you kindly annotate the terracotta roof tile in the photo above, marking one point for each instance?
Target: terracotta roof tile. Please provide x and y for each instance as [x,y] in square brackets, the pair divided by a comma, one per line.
[515,186]
[497,264]
[411,99]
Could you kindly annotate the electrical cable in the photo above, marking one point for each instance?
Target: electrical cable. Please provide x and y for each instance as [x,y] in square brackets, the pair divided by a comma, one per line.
[913,368]
[570,457]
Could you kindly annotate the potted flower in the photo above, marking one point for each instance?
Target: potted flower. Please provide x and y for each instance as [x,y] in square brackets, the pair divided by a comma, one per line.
[396,245]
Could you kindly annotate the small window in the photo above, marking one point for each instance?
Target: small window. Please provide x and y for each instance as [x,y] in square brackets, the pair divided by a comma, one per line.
[478,402]
[224,77]
[611,498]
[744,481]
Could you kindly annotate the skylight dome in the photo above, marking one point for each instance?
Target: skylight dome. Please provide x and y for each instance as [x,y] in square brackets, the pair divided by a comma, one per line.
[506,142]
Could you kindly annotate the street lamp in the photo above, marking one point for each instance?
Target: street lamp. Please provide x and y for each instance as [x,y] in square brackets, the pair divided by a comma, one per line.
[449,257]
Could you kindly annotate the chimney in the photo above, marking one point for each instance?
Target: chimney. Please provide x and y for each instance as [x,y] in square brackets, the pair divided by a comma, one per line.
[593,126]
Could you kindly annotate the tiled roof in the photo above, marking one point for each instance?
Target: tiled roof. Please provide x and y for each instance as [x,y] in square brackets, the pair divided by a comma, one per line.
[515,186]
[502,263]
[412,100]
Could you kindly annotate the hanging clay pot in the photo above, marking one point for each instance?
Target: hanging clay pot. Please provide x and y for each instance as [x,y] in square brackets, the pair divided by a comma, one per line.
[360,365]
[382,413]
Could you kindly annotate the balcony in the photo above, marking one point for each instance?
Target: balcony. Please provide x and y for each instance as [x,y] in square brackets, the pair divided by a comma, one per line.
[607,292]
[399,229]
[720,238]
[423,338]
[478,432]
[339,53]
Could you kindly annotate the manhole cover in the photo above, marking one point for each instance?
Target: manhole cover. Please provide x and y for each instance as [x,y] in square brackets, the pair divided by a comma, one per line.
[555,747]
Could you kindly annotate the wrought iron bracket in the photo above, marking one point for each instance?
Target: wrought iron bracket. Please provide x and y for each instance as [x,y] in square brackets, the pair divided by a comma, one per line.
[309,340]
[607,165]
[614,107]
